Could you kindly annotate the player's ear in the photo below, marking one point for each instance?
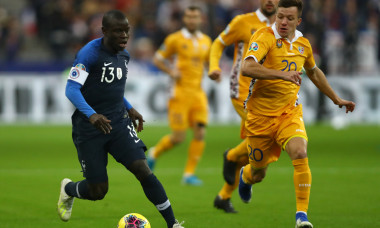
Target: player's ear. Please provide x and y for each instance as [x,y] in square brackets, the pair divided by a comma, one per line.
[104,30]
[299,21]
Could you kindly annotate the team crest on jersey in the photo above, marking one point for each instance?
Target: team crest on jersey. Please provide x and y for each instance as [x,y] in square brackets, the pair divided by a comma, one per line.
[279,43]
[254,47]
[301,49]
[74,74]
[80,66]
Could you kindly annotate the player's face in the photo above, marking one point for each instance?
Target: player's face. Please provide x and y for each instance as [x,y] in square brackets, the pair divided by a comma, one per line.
[117,35]
[192,19]
[268,7]
[287,21]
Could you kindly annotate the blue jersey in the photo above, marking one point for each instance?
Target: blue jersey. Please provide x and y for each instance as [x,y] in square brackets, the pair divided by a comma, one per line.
[101,76]
[107,73]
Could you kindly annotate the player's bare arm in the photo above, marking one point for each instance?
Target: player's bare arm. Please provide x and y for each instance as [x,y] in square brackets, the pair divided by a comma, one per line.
[320,81]
[216,52]
[136,116]
[101,122]
[161,64]
[250,68]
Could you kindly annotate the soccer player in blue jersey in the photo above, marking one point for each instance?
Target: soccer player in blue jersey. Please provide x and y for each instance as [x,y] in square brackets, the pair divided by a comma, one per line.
[104,121]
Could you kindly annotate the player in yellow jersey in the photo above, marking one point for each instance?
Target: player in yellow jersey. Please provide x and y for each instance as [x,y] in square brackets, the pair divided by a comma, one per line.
[238,32]
[188,107]
[274,118]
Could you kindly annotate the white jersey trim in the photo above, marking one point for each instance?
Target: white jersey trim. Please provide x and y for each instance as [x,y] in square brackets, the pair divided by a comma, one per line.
[78,75]
[221,40]
[251,56]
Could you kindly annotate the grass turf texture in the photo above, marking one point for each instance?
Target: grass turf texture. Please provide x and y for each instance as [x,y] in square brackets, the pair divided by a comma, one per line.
[344,164]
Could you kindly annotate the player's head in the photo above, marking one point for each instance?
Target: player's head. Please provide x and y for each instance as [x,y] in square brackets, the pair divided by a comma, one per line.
[115,27]
[268,7]
[288,17]
[192,18]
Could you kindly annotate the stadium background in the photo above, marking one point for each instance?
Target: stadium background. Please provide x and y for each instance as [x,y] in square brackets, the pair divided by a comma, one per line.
[38,41]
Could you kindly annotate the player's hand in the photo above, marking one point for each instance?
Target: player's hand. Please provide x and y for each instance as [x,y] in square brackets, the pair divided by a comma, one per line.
[135,115]
[350,106]
[293,76]
[175,75]
[101,122]
[215,75]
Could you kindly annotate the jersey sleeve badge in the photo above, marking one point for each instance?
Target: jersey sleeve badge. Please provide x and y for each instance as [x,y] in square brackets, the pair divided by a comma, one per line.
[254,47]
[78,75]
[74,74]
[80,66]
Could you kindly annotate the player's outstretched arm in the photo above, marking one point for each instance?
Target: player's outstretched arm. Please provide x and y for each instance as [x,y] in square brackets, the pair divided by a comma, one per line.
[251,68]
[319,79]
[216,52]
[135,115]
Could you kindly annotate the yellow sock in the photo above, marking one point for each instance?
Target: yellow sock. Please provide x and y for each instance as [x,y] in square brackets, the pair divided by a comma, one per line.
[302,183]
[163,145]
[238,151]
[247,174]
[195,153]
[227,190]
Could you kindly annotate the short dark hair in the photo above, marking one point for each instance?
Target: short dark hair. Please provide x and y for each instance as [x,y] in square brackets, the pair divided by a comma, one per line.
[291,3]
[111,15]
[194,7]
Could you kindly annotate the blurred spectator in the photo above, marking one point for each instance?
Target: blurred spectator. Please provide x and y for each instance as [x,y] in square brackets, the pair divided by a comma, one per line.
[344,33]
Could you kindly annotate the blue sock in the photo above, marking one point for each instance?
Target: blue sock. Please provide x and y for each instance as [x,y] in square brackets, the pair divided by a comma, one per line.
[156,194]
[78,189]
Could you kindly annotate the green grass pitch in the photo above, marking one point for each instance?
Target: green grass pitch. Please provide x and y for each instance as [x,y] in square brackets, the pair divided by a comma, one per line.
[345,165]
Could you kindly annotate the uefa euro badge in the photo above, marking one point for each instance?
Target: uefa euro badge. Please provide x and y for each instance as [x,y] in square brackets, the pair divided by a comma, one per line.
[80,66]
[254,47]
[301,49]
[279,43]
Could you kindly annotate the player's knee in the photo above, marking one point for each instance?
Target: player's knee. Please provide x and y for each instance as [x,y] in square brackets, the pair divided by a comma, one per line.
[257,178]
[140,169]
[299,153]
[98,191]
[177,138]
[200,131]
[258,175]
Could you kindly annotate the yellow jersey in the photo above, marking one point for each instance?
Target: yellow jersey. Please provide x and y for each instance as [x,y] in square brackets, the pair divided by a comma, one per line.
[274,97]
[238,32]
[191,52]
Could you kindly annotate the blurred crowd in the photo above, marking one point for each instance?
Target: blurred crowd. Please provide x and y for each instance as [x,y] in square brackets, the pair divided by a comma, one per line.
[345,34]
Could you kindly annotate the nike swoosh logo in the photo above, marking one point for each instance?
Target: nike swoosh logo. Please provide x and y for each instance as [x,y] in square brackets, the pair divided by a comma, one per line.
[137,140]
[107,64]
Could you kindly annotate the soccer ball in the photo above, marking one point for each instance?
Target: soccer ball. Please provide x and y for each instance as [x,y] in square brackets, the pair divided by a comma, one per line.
[133,220]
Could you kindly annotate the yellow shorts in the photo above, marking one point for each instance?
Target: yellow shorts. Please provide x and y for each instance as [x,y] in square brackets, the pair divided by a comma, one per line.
[267,135]
[239,107]
[186,110]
